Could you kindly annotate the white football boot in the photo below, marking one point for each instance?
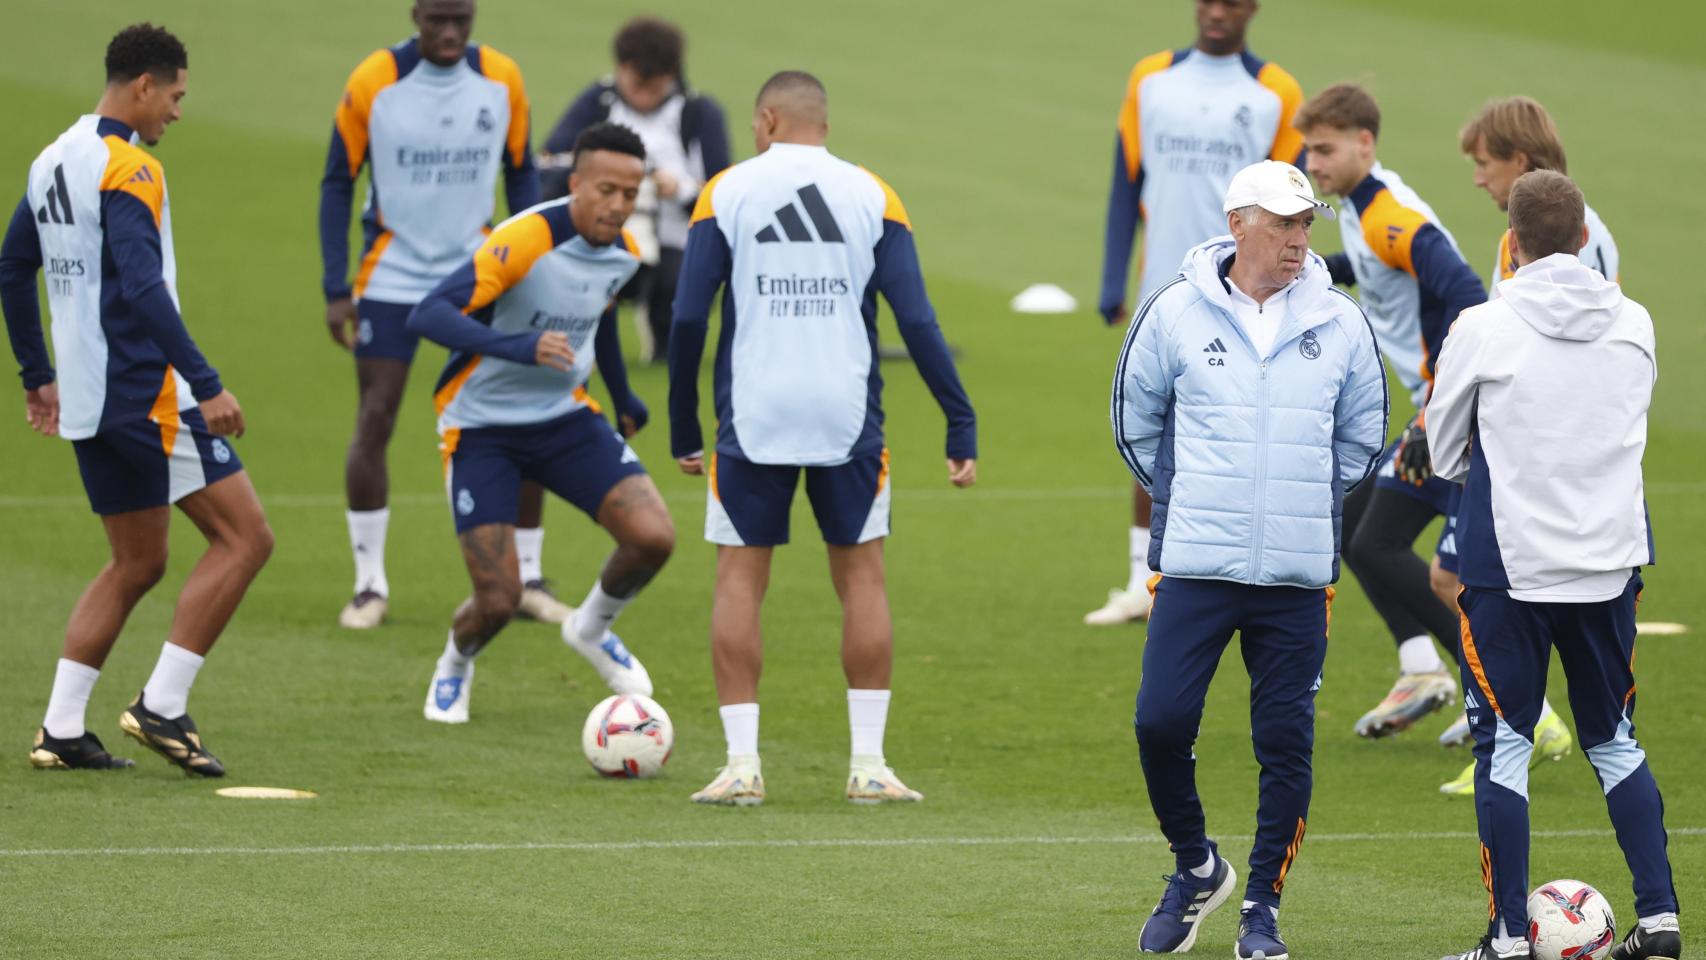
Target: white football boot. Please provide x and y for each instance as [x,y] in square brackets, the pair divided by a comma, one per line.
[621,670]
[740,784]
[540,604]
[870,781]
[1123,606]
[447,697]
[365,611]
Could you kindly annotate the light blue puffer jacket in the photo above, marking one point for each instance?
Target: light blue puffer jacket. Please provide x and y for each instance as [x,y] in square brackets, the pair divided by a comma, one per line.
[1248,457]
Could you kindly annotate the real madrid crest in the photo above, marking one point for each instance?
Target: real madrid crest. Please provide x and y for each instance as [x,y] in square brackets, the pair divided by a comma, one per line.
[1309,346]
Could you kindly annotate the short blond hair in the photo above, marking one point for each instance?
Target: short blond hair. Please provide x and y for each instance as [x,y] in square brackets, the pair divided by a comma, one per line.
[1517,125]
[1342,106]
[1547,214]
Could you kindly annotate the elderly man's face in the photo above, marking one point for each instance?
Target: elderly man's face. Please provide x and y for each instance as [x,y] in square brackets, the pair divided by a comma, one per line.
[1271,245]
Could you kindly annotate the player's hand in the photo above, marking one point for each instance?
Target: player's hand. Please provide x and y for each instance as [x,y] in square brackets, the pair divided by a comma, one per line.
[693,464]
[668,184]
[1413,462]
[224,417]
[553,351]
[341,322]
[962,473]
[1115,314]
[631,417]
[41,409]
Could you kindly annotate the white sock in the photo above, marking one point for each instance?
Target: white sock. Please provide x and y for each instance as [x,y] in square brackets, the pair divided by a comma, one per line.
[530,547]
[1206,870]
[740,729]
[367,540]
[1504,941]
[867,714]
[596,613]
[1140,572]
[1649,924]
[1417,655]
[168,689]
[72,684]
[452,660]
[1251,903]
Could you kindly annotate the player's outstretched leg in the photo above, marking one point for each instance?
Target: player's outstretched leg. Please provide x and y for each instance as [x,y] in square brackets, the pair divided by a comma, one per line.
[229,515]
[382,371]
[489,552]
[634,515]
[737,659]
[538,601]
[867,658]
[137,540]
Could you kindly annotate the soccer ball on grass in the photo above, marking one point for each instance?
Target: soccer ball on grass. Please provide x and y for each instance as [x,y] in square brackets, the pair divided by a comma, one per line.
[1569,920]
[627,735]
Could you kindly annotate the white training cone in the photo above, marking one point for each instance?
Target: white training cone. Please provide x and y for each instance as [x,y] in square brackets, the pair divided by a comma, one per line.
[1044,298]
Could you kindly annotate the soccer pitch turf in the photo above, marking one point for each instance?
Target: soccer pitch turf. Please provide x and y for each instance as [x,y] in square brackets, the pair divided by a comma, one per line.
[494,839]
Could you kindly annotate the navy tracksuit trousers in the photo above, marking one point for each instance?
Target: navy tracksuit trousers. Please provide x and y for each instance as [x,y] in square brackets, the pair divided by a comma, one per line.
[1283,635]
[1507,647]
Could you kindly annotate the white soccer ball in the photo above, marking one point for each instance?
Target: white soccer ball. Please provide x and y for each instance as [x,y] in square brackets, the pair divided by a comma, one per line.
[1569,920]
[627,735]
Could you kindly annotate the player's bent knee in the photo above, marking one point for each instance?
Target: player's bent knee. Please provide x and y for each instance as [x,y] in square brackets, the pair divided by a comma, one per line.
[139,572]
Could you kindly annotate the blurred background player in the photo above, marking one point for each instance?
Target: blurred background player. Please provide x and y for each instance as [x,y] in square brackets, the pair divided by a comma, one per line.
[1507,139]
[1552,533]
[687,143]
[433,118]
[1413,282]
[801,242]
[145,413]
[1190,119]
[1248,486]
[524,319]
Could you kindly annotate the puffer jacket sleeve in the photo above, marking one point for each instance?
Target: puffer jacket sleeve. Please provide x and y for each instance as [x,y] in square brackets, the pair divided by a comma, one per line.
[1360,417]
[1143,390]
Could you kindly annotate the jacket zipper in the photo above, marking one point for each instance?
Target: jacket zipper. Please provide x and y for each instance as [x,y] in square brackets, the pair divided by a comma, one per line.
[1261,479]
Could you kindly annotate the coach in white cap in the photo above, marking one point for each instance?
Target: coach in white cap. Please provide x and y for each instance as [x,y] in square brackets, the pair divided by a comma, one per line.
[1249,399]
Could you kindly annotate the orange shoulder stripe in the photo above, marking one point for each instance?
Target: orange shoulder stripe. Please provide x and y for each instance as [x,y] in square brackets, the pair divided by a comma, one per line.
[506,256]
[1507,261]
[372,75]
[1131,137]
[702,208]
[131,170]
[506,71]
[1288,140]
[893,209]
[1389,228]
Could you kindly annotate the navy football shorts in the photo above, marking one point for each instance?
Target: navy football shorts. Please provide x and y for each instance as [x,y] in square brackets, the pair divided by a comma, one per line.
[577,456]
[748,503]
[152,463]
[382,331]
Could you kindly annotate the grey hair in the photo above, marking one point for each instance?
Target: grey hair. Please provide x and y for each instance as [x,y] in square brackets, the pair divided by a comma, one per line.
[1246,214]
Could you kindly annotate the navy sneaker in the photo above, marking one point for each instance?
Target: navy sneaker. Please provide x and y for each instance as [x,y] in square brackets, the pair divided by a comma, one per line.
[1172,928]
[1258,935]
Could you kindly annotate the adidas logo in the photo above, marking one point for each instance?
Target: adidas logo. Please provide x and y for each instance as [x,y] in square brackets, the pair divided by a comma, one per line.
[58,205]
[142,176]
[794,226]
[1215,346]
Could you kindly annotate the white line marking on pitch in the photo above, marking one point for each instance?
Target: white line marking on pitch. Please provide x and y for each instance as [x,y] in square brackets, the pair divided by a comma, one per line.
[635,845]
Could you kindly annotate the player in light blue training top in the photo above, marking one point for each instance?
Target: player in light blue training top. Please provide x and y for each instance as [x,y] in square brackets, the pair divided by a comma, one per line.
[1190,119]
[524,320]
[801,243]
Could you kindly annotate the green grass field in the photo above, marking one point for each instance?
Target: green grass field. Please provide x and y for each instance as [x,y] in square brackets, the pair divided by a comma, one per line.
[993,121]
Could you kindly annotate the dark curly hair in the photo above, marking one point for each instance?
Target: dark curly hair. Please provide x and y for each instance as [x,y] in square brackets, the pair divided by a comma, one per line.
[651,46]
[609,136]
[144,48]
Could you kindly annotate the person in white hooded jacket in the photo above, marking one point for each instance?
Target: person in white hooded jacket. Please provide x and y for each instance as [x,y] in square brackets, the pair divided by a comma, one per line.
[1551,534]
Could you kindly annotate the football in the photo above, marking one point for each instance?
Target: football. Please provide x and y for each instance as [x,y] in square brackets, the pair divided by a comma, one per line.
[627,735]
[1569,920]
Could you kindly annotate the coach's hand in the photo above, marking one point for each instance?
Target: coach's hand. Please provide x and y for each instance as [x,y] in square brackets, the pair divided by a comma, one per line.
[1413,461]
[1114,314]
[342,323]
[693,464]
[631,416]
[553,351]
[41,409]
[224,417]
[962,473]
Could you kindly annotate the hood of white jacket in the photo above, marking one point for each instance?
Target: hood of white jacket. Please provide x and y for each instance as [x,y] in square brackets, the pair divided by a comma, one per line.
[1202,270]
[1563,298]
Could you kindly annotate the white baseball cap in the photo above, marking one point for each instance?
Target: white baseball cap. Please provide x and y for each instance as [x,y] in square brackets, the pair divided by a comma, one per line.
[1276,187]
